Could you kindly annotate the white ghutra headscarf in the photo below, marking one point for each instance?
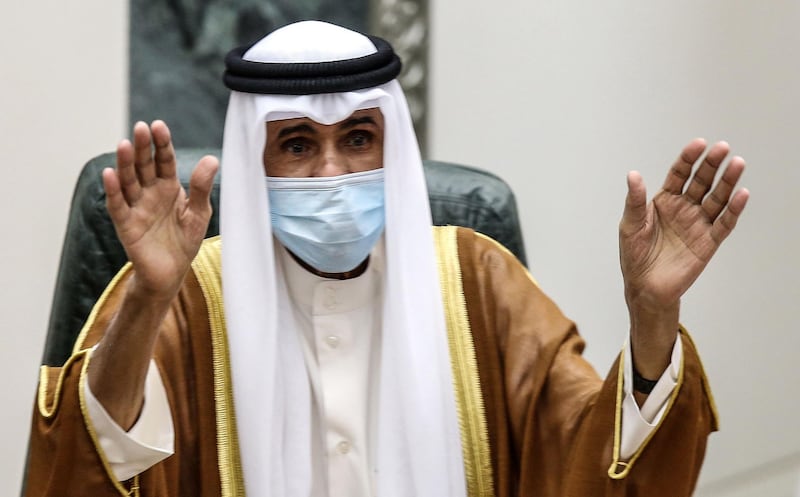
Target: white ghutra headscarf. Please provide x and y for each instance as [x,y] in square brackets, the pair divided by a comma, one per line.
[418,449]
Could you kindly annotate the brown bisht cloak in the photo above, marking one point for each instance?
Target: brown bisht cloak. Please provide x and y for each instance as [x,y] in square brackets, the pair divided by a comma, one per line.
[535,418]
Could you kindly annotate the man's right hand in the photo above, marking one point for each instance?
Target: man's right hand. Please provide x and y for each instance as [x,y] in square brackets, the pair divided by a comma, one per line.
[159,226]
[161,229]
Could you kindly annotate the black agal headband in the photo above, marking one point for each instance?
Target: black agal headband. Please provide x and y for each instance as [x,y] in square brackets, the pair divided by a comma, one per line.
[309,78]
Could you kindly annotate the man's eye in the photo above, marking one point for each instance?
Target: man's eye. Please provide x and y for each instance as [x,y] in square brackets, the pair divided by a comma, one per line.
[295,147]
[359,139]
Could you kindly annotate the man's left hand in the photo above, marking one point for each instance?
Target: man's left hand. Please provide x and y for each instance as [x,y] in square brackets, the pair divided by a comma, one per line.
[666,244]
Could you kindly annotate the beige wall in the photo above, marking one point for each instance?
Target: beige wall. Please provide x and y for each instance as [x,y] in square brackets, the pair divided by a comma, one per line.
[63,100]
[561,98]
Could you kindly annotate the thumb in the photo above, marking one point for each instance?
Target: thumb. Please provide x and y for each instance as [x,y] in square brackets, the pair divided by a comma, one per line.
[201,182]
[635,212]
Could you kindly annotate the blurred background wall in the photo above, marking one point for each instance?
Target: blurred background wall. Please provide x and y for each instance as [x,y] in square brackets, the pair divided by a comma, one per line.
[63,98]
[560,98]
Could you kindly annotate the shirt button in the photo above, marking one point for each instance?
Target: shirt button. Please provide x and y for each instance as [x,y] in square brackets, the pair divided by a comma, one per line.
[332,341]
[343,447]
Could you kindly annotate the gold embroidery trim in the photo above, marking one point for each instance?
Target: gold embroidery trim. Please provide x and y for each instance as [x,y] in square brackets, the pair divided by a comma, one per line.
[706,386]
[47,410]
[134,487]
[97,306]
[207,268]
[90,427]
[466,380]
[620,469]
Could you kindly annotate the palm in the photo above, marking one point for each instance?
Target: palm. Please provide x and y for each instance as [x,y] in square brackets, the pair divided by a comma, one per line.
[158,225]
[666,244]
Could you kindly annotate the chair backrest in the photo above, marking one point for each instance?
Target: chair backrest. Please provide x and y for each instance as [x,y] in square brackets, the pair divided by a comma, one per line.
[92,255]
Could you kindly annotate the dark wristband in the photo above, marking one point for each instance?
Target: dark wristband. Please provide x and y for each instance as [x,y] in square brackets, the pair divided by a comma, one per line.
[640,384]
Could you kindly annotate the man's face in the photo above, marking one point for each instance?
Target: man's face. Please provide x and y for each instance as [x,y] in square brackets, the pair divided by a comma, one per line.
[302,148]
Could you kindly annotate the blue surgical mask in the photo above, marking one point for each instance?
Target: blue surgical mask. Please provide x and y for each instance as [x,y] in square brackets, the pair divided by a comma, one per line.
[330,223]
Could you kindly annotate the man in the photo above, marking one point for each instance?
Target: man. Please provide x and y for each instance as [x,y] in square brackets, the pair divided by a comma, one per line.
[358,351]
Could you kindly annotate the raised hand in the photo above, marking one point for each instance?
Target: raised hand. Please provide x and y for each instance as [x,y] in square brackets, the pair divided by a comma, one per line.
[160,227]
[666,244]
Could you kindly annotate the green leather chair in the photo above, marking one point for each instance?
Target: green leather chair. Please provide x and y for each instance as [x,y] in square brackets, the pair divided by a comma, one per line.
[92,255]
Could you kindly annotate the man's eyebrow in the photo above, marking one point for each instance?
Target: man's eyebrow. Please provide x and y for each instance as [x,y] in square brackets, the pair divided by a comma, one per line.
[300,128]
[356,121]
[305,128]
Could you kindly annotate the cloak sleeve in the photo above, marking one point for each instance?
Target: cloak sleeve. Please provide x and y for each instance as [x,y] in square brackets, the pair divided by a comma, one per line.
[554,425]
[66,458]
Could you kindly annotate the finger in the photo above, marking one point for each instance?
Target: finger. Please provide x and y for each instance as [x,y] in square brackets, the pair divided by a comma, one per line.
[704,176]
[201,183]
[115,202]
[725,223]
[715,202]
[165,164]
[143,154]
[635,213]
[682,167]
[126,172]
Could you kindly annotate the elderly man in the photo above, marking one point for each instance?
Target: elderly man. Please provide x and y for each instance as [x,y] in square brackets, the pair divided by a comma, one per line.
[358,351]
